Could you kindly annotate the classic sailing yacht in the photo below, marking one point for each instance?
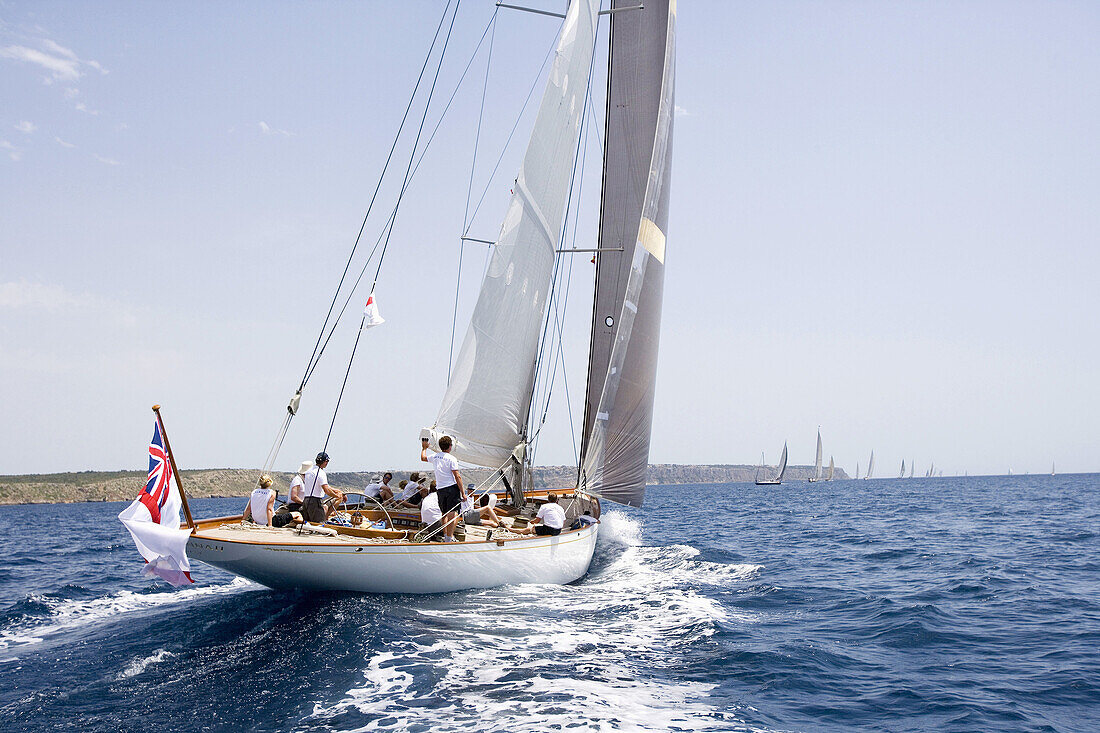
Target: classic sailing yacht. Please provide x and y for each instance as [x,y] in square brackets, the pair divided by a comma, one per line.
[487,405]
[870,466]
[778,478]
[817,461]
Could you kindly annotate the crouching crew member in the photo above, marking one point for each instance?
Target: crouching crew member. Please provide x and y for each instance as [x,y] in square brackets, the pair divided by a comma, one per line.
[549,520]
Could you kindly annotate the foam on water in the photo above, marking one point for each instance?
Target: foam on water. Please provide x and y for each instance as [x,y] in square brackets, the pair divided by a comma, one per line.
[139,665]
[69,615]
[596,658]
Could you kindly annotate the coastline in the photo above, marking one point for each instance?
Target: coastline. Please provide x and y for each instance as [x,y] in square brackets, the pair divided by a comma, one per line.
[123,486]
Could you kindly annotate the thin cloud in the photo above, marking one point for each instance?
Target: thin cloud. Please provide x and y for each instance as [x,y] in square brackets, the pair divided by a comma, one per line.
[681,112]
[108,161]
[61,69]
[26,127]
[13,152]
[81,107]
[25,294]
[64,144]
[269,130]
[62,63]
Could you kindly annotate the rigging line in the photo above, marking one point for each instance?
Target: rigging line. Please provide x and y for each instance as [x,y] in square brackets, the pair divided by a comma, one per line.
[347,373]
[596,126]
[560,358]
[388,226]
[469,191]
[335,296]
[423,119]
[568,289]
[562,235]
[480,117]
[454,316]
[515,125]
[400,195]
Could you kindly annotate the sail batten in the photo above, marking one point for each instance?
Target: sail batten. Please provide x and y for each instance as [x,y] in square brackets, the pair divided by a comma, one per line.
[488,400]
[626,315]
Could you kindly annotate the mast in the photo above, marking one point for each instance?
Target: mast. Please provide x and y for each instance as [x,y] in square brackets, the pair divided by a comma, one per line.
[626,315]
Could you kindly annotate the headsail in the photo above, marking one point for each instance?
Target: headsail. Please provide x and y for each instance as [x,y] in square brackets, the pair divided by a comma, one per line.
[871,465]
[832,467]
[817,461]
[626,317]
[782,464]
[488,400]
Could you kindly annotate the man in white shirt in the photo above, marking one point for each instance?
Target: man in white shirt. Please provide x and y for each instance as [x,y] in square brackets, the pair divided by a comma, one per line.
[373,489]
[297,487]
[315,486]
[549,520]
[430,514]
[450,491]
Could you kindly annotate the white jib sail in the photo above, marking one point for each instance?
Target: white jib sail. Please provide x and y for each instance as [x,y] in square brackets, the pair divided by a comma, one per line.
[817,463]
[486,405]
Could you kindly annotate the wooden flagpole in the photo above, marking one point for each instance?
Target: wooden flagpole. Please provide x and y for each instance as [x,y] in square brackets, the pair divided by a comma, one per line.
[175,471]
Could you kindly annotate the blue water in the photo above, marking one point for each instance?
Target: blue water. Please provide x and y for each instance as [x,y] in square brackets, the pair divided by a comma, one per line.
[926,604]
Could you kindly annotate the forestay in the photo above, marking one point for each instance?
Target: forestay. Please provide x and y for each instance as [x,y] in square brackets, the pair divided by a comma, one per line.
[488,401]
[633,216]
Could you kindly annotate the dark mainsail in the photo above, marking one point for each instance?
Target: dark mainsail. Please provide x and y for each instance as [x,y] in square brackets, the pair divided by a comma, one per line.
[626,316]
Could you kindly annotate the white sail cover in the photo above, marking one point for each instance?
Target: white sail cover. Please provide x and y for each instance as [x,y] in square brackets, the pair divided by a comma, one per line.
[487,403]
[629,284]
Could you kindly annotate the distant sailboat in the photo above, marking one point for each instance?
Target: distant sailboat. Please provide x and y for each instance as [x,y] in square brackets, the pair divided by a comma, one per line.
[1052,469]
[829,476]
[902,474]
[871,466]
[817,463]
[782,468]
[912,468]
[857,472]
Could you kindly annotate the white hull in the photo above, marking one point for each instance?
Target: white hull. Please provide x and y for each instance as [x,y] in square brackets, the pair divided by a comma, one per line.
[402,568]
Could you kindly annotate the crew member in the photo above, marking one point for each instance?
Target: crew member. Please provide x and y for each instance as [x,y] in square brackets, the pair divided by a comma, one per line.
[261,505]
[549,520]
[315,486]
[451,491]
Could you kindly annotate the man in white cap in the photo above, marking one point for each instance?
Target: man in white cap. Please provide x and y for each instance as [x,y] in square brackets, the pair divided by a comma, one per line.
[297,487]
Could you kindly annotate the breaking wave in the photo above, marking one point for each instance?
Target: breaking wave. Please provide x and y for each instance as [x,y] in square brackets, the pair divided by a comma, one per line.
[53,616]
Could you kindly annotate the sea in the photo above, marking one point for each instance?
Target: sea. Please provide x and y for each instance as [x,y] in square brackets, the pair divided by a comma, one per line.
[953,604]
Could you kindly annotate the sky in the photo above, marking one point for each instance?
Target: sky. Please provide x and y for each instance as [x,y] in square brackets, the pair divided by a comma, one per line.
[883,223]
